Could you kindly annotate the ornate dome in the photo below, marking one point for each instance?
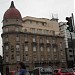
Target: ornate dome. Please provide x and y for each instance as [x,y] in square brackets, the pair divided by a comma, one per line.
[12,13]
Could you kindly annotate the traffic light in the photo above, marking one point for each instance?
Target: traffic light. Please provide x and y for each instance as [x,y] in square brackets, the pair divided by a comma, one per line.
[69,23]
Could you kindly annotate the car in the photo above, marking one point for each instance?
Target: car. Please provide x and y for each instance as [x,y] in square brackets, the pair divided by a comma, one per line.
[74,70]
[43,71]
[70,70]
[62,71]
[12,72]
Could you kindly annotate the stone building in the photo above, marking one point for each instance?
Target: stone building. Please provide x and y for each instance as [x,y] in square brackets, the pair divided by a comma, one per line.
[69,44]
[34,41]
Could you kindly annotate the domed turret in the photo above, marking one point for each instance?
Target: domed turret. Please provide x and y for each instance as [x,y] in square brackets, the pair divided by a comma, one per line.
[12,13]
[12,19]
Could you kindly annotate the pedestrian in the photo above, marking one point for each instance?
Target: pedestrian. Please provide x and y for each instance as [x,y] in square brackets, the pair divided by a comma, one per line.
[22,70]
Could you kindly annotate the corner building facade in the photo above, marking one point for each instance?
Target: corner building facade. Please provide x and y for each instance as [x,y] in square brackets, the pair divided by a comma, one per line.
[34,41]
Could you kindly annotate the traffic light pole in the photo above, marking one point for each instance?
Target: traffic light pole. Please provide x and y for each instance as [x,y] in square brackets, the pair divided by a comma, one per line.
[70,23]
[73,21]
[72,41]
[72,50]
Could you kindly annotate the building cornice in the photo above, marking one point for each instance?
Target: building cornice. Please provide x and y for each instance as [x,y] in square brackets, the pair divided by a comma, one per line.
[14,32]
[12,25]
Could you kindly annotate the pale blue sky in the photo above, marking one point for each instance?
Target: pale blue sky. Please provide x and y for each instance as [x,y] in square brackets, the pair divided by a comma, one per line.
[38,8]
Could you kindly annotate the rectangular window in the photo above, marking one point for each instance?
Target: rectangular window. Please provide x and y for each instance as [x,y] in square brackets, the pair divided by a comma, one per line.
[7,47]
[37,22]
[47,40]
[33,30]
[7,59]
[26,47]
[26,38]
[60,45]
[18,58]
[40,31]
[25,30]
[49,58]
[12,48]
[27,58]
[54,49]
[6,38]
[6,30]
[34,48]
[48,49]
[53,41]
[70,50]
[34,39]
[70,56]
[41,40]
[35,58]
[41,48]
[46,31]
[31,21]
[55,58]
[43,23]
[61,53]
[12,56]
[17,38]
[17,47]
[42,58]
